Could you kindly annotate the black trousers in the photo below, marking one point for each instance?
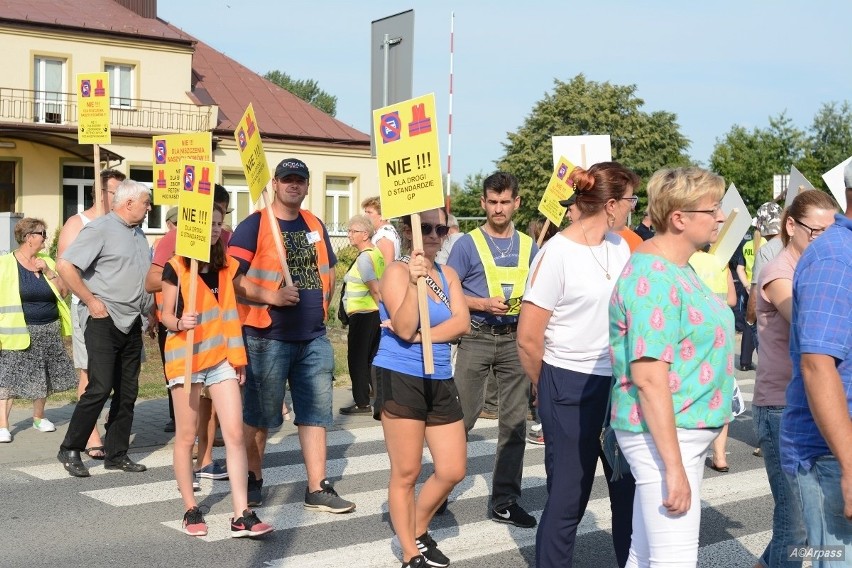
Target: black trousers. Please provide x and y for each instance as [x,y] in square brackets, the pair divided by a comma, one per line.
[162,331]
[115,359]
[362,344]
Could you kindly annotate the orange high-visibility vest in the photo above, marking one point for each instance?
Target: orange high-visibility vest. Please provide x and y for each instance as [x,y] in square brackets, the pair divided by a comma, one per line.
[218,335]
[265,268]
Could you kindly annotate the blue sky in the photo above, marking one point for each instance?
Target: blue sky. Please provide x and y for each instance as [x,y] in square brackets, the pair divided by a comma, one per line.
[713,64]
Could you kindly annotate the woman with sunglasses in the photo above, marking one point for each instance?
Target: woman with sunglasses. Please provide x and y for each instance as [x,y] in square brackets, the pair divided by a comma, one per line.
[414,406]
[563,344]
[33,319]
[807,217]
[673,360]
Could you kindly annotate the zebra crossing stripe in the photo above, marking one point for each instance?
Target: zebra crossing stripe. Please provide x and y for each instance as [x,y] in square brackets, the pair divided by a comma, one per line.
[281,441]
[295,473]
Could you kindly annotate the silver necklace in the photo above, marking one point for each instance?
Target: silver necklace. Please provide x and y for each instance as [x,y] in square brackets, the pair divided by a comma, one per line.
[605,269]
[502,253]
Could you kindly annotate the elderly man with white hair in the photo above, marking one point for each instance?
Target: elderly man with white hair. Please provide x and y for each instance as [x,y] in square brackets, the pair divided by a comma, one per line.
[105,267]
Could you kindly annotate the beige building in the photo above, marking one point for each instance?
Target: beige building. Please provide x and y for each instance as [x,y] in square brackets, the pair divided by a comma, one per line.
[162,81]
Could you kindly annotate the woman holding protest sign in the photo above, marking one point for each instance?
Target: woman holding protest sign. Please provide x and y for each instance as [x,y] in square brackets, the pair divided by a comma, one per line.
[218,358]
[412,405]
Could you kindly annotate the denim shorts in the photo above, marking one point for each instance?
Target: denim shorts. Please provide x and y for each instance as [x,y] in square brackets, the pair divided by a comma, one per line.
[216,374]
[306,365]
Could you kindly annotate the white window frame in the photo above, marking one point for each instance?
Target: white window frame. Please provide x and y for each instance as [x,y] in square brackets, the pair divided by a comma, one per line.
[41,97]
[114,71]
[338,222]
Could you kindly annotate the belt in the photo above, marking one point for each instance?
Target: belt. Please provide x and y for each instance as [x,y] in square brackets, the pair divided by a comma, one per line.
[494,329]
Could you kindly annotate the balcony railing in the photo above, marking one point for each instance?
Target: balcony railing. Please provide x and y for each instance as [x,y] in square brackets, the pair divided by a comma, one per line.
[43,107]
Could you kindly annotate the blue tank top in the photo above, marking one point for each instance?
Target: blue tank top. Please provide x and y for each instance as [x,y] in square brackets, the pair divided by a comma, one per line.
[398,355]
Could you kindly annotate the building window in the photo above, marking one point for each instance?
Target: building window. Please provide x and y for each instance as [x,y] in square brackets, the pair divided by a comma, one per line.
[338,195]
[120,85]
[49,76]
[240,202]
[77,184]
[155,221]
[7,187]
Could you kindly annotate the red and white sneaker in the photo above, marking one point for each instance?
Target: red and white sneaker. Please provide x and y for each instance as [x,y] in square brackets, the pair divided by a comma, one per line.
[193,523]
[249,525]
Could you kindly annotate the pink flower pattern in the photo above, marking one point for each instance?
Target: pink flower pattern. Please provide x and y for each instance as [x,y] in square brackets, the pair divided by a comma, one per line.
[648,314]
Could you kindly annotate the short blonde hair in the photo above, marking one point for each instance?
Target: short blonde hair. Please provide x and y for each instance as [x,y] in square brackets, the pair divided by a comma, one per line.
[373,202]
[363,222]
[676,189]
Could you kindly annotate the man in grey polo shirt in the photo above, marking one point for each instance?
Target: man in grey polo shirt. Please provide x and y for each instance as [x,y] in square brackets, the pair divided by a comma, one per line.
[105,267]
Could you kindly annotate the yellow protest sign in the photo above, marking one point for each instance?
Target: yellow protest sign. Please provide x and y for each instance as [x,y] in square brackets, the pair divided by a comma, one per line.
[169,151]
[93,108]
[558,189]
[195,210]
[250,147]
[407,154]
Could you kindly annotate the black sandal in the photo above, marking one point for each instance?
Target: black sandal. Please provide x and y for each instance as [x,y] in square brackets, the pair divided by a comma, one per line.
[100,449]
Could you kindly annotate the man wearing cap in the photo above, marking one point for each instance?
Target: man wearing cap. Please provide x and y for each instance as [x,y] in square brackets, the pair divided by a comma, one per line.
[768,224]
[72,227]
[288,344]
[493,262]
[817,422]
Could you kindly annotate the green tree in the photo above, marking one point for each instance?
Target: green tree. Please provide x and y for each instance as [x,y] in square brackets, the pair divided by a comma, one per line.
[642,141]
[749,159]
[464,200]
[306,89]
[829,141]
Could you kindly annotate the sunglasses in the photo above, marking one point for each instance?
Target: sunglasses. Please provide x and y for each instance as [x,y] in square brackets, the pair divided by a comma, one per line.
[440,230]
[42,233]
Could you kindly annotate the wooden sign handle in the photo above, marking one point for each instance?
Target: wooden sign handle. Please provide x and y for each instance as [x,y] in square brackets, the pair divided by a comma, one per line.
[423,302]
[543,232]
[190,334]
[99,194]
[276,230]
[723,231]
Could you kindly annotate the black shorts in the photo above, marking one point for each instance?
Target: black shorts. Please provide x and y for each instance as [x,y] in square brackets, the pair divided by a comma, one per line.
[432,401]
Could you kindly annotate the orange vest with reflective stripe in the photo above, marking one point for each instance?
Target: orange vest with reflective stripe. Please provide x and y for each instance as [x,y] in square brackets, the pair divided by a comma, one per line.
[265,269]
[218,335]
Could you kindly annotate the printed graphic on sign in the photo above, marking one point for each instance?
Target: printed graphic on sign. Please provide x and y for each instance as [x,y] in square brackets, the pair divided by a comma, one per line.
[421,124]
[93,113]
[251,154]
[557,190]
[195,210]
[409,170]
[169,151]
[390,127]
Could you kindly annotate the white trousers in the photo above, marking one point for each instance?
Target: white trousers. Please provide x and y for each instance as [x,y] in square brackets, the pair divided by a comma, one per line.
[659,538]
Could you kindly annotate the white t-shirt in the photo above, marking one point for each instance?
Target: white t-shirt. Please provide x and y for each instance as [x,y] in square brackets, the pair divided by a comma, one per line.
[572,285]
[388,232]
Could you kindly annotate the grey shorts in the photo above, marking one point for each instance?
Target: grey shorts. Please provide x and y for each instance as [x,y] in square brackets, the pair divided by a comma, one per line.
[78,342]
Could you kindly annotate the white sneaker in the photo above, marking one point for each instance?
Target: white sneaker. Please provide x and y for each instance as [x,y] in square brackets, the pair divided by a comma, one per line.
[5,436]
[44,425]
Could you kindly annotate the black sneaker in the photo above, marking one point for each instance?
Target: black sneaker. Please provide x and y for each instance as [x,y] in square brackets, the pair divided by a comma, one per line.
[514,514]
[327,499]
[193,523]
[429,549]
[255,490]
[249,525]
[355,409]
[416,562]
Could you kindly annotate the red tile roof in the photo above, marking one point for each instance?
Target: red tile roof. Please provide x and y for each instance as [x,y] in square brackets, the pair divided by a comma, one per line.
[280,113]
[101,16]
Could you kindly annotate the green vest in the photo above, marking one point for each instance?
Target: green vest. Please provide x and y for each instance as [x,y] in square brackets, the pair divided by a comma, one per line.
[498,276]
[748,255]
[13,327]
[357,297]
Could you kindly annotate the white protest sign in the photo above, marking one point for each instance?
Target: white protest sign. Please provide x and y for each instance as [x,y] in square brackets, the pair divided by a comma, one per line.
[738,220]
[798,183]
[583,151]
[834,180]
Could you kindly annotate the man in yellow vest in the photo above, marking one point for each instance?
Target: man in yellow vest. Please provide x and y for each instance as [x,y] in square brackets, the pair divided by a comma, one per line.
[493,262]
[288,344]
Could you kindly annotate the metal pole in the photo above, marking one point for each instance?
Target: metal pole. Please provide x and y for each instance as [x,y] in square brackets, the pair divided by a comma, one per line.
[450,122]
[386,47]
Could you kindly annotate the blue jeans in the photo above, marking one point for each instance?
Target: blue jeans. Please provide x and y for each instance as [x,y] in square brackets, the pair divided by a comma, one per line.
[306,365]
[822,508]
[788,528]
